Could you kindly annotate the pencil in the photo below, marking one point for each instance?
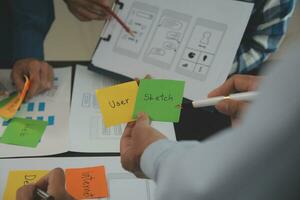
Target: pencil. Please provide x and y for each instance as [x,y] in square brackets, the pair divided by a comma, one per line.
[243,96]
[119,20]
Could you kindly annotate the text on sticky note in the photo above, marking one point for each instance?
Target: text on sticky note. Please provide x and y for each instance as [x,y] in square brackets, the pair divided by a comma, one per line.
[17,179]
[117,103]
[87,183]
[160,99]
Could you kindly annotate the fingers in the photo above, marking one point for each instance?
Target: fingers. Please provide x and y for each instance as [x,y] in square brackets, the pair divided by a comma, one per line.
[25,193]
[142,120]
[17,77]
[47,75]
[241,83]
[86,10]
[54,183]
[88,14]
[40,75]
[35,81]
[231,108]
[146,77]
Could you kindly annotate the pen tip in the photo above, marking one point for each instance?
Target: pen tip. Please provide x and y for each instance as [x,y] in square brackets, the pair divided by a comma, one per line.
[131,33]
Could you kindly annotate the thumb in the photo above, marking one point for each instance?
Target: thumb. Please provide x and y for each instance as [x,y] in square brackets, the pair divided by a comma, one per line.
[142,120]
[231,107]
[25,193]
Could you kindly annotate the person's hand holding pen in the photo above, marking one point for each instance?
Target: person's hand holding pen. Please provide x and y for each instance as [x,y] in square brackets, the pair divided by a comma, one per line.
[237,83]
[53,184]
[87,10]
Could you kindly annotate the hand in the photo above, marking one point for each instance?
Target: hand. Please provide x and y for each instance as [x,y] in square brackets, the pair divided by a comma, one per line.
[87,10]
[40,74]
[53,184]
[237,83]
[136,138]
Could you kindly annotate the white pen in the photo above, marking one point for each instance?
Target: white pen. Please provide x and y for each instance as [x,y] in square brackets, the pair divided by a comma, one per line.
[244,96]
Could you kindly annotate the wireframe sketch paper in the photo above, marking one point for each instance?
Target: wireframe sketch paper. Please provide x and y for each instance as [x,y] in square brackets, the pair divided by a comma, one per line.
[87,130]
[194,41]
[121,184]
[52,107]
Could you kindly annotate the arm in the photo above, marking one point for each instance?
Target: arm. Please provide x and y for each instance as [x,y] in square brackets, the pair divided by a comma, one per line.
[264,34]
[32,21]
[257,160]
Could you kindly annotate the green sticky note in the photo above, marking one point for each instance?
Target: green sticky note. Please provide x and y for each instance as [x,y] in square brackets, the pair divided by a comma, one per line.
[159,99]
[24,132]
[8,99]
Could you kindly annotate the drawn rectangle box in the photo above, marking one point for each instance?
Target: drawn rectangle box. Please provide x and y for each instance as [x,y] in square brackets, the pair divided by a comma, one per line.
[123,183]
[42,106]
[86,99]
[201,49]
[40,118]
[140,19]
[99,131]
[51,120]
[30,107]
[167,39]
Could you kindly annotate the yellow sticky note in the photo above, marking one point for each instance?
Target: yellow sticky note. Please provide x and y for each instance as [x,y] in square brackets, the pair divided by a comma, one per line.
[117,103]
[17,179]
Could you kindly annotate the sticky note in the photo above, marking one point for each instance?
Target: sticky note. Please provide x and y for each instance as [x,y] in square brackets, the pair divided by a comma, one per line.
[9,110]
[160,99]
[8,99]
[24,132]
[17,179]
[86,183]
[117,103]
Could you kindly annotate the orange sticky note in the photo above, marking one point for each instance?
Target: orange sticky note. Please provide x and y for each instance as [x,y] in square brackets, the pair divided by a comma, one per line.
[9,110]
[87,183]
[117,103]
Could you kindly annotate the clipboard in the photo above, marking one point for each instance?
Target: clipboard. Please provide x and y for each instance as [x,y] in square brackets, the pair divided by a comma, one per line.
[194,41]
[106,37]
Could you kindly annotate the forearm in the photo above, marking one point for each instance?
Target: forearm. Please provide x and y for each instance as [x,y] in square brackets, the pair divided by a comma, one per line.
[31,23]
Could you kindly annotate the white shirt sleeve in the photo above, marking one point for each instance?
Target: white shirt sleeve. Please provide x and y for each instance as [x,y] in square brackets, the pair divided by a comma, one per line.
[259,160]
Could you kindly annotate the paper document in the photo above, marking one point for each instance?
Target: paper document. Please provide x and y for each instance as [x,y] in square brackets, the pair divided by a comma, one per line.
[52,107]
[121,184]
[194,41]
[87,130]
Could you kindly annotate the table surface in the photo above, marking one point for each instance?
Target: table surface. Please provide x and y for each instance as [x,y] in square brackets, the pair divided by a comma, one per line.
[195,124]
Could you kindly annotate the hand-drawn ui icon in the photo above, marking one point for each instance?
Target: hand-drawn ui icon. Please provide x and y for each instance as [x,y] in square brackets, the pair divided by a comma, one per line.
[200,69]
[172,35]
[188,66]
[172,23]
[206,38]
[157,52]
[191,55]
[205,58]
[170,46]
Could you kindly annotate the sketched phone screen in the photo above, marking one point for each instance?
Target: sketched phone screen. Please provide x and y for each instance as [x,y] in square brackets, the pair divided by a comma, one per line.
[201,49]
[140,19]
[167,39]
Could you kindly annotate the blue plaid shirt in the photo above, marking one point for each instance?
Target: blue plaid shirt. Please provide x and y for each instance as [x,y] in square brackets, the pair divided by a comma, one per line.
[265,31]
